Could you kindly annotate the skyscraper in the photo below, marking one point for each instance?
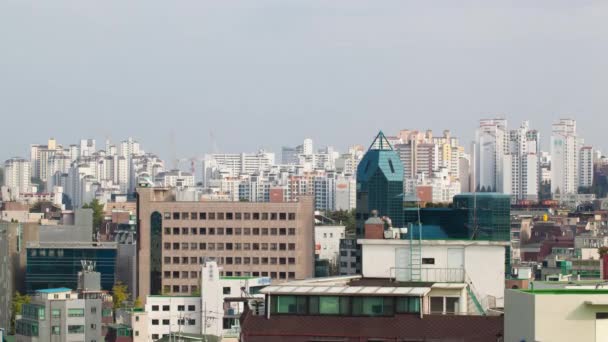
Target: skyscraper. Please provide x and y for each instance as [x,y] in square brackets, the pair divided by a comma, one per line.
[380,184]
[565,145]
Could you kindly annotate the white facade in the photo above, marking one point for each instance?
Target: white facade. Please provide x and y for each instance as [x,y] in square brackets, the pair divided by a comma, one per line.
[327,242]
[521,173]
[565,146]
[481,263]
[172,314]
[17,176]
[556,315]
[585,168]
[490,145]
[175,178]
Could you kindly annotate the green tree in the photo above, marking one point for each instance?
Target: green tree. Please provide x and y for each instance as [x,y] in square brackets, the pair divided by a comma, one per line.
[196,293]
[119,294]
[602,251]
[345,218]
[97,213]
[16,307]
[138,304]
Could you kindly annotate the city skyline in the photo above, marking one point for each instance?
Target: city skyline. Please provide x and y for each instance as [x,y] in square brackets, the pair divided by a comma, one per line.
[341,71]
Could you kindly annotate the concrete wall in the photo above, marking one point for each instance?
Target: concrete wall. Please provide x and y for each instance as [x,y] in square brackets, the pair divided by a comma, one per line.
[519,316]
[483,262]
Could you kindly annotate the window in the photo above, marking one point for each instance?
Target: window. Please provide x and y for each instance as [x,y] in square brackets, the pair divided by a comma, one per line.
[75,329]
[273,216]
[193,216]
[219,246]
[202,246]
[155,336]
[428,261]
[176,216]
[185,246]
[237,231]
[167,260]
[264,231]
[176,245]
[175,231]
[237,216]
[292,231]
[185,231]
[219,231]
[167,245]
[181,308]
[282,231]
[93,326]
[452,305]
[256,216]
[289,305]
[226,290]
[154,307]
[193,231]
[282,246]
[185,216]
[193,260]
[291,216]
[265,216]
[220,216]
[437,305]
[166,322]
[211,231]
[264,246]
[176,260]
[56,330]
[256,247]
[371,306]
[193,245]
[202,216]
[246,231]
[256,231]
[167,215]
[166,308]
[202,231]
[229,231]
[191,308]
[167,231]
[273,231]
[211,216]
[292,261]
[75,312]
[56,313]
[408,304]
[229,216]
[228,246]
[247,216]
[282,216]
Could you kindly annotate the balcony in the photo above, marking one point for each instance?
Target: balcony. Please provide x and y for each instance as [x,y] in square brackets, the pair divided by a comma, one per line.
[431,275]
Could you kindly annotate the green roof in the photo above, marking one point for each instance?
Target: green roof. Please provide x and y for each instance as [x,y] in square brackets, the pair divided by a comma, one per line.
[566,291]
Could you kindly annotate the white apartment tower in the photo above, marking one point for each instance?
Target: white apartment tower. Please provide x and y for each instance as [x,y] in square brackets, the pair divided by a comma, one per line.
[586,157]
[17,175]
[521,166]
[565,146]
[490,145]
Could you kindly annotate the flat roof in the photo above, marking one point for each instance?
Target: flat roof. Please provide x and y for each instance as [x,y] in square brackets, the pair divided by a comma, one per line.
[566,292]
[346,290]
[55,290]
[434,242]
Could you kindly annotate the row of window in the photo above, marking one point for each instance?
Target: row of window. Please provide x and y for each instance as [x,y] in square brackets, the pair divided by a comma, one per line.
[228,231]
[168,308]
[180,321]
[230,261]
[228,216]
[229,246]
[344,305]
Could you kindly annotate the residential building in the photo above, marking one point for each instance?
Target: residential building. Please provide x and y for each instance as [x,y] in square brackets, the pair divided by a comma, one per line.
[489,148]
[565,147]
[521,164]
[175,178]
[573,313]
[327,242]
[6,274]
[585,167]
[355,308]
[350,261]
[246,238]
[60,314]
[17,176]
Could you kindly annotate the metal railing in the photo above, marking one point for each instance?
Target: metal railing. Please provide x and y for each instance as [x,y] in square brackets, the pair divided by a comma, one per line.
[442,275]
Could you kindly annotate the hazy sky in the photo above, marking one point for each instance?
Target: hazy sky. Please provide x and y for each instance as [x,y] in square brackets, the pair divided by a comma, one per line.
[263,73]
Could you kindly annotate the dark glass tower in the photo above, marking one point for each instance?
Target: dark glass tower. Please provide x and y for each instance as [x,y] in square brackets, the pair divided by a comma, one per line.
[380,184]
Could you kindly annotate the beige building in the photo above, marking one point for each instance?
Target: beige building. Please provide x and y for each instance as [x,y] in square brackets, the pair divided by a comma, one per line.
[570,314]
[246,239]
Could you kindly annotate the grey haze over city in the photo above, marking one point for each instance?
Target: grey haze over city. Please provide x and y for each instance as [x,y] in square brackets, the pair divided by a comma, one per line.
[268,73]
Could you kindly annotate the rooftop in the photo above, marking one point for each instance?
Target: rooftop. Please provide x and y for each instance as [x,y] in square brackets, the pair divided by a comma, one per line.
[56,290]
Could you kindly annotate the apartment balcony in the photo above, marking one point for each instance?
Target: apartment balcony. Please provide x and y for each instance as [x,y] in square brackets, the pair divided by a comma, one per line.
[428,274]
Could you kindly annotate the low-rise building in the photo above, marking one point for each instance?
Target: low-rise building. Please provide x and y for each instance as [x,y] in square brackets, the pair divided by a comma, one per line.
[567,314]
[327,242]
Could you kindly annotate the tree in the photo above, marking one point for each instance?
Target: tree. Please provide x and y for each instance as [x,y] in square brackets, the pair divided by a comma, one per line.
[138,304]
[345,218]
[97,213]
[602,251]
[196,293]
[16,307]
[120,294]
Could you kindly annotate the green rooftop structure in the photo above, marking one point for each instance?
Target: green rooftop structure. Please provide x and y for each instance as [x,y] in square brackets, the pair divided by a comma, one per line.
[380,184]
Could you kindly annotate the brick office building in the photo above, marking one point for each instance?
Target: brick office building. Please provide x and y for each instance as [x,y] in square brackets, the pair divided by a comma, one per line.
[246,239]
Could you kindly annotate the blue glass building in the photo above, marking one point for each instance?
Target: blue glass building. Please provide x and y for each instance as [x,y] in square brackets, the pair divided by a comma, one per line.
[54,265]
[380,184]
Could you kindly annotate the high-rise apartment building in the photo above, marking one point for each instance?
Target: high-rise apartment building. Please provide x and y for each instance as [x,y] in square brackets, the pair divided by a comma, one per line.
[565,147]
[521,164]
[247,239]
[490,146]
[585,168]
[17,175]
